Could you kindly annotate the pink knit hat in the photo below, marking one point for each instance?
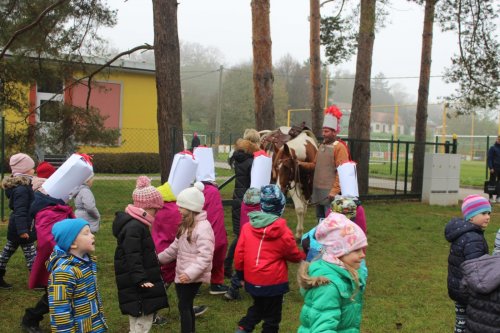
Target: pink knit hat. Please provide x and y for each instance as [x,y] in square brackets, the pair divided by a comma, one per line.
[145,195]
[339,236]
[21,163]
[473,205]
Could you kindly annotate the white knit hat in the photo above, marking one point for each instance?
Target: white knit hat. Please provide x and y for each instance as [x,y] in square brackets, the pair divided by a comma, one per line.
[192,198]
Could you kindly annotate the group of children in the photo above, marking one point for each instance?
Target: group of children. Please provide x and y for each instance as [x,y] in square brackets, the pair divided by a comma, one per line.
[164,239]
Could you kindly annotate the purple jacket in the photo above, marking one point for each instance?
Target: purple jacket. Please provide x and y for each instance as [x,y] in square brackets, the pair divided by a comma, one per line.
[164,229]
[215,213]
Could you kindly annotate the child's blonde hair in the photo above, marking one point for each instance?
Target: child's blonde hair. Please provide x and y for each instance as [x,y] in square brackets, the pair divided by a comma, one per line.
[187,225]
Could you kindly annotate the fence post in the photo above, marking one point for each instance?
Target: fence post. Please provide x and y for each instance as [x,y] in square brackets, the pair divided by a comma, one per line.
[397,168]
[447,147]
[406,167]
[455,143]
[392,152]
[487,168]
[436,145]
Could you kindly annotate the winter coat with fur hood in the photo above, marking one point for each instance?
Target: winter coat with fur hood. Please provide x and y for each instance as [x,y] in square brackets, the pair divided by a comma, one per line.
[241,161]
[20,194]
[482,284]
[194,258]
[467,242]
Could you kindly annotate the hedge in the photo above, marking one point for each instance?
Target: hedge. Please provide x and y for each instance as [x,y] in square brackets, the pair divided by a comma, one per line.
[126,162]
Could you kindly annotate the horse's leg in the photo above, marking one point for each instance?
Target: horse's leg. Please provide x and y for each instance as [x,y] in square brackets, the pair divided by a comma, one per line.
[300,210]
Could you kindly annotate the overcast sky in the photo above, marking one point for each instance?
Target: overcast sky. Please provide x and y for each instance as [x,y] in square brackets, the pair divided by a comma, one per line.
[226,25]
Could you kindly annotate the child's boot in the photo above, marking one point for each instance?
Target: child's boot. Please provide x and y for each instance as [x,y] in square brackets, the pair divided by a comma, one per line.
[3,284]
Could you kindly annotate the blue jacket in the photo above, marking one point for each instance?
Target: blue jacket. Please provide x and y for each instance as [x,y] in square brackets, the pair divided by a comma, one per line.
[74,301]
[467,242]
[20,194]
[494,157]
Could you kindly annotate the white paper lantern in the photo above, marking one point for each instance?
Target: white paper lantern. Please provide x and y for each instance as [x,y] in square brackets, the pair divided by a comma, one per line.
[348,178]
[182,172]
[206,165]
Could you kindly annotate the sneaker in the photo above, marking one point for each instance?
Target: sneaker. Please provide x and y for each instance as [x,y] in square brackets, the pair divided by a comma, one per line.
[218,289]
[199,310]
[4,285]
[232,295]
[30,329]
[159,320]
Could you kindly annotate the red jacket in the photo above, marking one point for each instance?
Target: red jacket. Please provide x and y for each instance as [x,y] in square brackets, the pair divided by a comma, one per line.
[261,255]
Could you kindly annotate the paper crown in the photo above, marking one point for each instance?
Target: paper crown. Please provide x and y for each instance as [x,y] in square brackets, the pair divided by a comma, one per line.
[332,118]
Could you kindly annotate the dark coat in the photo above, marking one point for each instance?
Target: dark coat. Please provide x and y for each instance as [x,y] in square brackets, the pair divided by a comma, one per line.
[482,283]
[20,194]
[135,263]
[241,161]
[467,242]
[494,157]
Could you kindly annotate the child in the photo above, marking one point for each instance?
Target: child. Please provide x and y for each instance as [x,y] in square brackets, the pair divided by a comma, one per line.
[482,283]
[251,203]
[264,247]
[20,231]
[85,207]
[138,278]
[466,236]
[333,286]
[194,248]
[74,301]
[45,211]
[43,171]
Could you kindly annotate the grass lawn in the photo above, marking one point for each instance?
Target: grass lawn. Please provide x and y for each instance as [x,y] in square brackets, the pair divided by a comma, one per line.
[406,257]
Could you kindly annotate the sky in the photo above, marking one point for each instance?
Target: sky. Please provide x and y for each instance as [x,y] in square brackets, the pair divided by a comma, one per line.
[226,25]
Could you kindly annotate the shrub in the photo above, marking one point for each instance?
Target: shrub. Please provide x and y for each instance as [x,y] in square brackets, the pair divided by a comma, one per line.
[126,162]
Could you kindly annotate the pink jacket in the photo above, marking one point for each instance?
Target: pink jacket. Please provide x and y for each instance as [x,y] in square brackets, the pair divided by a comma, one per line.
[193,259]
[164,229]
[44,221]
[215,213]
[245,209]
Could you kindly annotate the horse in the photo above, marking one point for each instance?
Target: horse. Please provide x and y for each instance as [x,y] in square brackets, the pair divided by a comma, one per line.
[286,173]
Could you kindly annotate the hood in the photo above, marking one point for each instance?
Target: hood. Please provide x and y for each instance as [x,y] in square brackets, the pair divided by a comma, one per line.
[43,201]
[482,274]
[240,156]
[166,192]
[246,146]
[332,272]
[121,219]
[13,181]
[58,254]
[74,192]
[457,227]
[267,225]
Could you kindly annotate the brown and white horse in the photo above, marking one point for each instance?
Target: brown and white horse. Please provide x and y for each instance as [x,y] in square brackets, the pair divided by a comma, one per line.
[287,175]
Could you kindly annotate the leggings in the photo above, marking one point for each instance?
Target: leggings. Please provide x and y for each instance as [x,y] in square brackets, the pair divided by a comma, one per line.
[185,294]
[29,251]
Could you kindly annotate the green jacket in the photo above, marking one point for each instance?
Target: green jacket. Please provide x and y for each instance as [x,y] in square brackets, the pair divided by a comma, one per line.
[329,308]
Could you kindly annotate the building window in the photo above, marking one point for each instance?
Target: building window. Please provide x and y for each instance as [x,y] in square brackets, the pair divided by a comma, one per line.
[49,96]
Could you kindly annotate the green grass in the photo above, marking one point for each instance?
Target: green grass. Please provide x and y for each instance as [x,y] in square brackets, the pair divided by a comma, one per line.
[406,257]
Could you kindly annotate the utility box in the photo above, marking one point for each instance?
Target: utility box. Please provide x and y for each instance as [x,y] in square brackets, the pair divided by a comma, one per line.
[441,179]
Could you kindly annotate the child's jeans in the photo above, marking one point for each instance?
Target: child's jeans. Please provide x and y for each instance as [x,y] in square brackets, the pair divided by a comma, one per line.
[267,309]
[460,317]
[140,324]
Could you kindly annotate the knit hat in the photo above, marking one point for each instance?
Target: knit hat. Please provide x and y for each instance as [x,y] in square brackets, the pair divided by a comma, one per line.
[21,163]
[473,205]
[339,236]
[252,196]
[66,231]
[332,118]
[272,200]
[166,192]
[251,135]
[145,195]
[45,170]
[192,198]
[344,205]
[497,243]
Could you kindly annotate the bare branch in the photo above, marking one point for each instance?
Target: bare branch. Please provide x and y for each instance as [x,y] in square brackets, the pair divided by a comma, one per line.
[29,26]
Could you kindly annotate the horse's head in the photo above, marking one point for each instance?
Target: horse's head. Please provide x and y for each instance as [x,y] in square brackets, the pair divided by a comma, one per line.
[285,168]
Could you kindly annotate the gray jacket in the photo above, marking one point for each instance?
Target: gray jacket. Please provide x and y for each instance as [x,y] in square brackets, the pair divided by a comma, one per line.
[85,206]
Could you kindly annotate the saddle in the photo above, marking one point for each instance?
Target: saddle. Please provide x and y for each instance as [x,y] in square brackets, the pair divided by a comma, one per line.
[276,138]
[297,129]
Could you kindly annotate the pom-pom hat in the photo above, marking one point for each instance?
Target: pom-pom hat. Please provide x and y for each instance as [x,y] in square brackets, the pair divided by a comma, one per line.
[473,205]
[192,198]
[344,205]
[21,163]
[45,170]
[66,231]
[339,236]
[146,196]
[272,200]
[332,118]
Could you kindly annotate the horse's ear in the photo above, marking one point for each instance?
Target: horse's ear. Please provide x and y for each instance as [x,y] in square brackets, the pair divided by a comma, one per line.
[286,150]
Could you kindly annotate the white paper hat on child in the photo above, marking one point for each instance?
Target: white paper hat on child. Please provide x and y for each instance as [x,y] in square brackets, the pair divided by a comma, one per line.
[332,118]
[206,165]
[339,236]
[192,198]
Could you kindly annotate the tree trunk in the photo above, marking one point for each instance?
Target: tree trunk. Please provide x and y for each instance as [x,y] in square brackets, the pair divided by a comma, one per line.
[168,83]
[262,65]
[423,98]
[359,122]
[315,68]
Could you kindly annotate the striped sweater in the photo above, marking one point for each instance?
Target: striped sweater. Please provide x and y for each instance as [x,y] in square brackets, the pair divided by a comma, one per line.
[74,301]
